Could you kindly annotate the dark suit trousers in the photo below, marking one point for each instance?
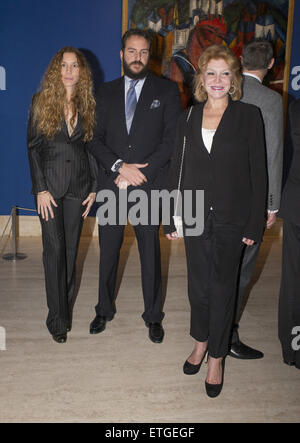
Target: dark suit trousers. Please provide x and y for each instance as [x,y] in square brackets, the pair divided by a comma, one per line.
[110,241]
[60,237]
[212,264]
[289,299]
[246,271]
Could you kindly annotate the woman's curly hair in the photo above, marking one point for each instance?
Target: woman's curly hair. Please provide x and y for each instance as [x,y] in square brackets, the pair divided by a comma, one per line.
[48,105]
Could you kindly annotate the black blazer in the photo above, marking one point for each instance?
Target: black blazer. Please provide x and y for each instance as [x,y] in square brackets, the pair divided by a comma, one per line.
[152,134]
[61,164]
[290,207]
[234,175]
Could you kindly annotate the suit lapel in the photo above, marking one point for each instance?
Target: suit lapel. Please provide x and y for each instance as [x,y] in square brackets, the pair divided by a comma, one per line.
[118,101]
[197,128]
[64,128]
[220,129]
[77,132]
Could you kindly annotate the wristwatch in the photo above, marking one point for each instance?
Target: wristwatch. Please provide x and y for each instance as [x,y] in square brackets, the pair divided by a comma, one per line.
[118,165]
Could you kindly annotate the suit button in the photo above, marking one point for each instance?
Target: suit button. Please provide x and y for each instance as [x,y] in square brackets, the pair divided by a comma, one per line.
[129,146]
[68,161]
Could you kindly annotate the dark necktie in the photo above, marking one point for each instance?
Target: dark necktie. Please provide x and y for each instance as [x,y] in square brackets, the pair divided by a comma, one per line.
[131,102]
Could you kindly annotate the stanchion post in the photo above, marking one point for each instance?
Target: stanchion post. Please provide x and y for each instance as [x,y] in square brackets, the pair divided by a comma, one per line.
[13,231]
[14,255]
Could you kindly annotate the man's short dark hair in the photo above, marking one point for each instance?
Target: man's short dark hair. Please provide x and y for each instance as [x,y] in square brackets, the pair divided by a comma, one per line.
[137,33]
[257,54]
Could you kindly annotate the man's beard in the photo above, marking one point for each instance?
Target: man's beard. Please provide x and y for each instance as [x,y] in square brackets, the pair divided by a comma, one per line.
[135,75]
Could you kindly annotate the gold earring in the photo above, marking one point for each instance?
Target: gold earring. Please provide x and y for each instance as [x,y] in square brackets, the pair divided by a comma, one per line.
[232,92]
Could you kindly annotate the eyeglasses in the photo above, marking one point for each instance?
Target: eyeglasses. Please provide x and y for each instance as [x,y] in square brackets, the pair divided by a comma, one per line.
[134,52]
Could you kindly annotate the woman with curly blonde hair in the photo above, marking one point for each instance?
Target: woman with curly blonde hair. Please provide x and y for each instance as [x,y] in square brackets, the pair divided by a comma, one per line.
[64,175]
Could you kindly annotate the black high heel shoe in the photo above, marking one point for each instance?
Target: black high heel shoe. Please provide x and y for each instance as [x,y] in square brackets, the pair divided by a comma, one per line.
[190,369]
[60,338]
[214,390]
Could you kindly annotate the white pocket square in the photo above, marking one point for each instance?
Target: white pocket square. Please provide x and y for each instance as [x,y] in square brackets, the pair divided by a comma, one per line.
[155,104]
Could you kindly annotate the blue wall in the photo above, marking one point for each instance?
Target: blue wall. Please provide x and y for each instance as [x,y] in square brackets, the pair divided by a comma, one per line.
[31,32]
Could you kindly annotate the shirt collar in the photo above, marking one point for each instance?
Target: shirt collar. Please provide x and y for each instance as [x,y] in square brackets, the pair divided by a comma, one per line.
[252,75]
[128,79]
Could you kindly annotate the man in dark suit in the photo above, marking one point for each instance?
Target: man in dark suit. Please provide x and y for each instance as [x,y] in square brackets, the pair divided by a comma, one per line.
[289,300]
[257,59]
[134,139]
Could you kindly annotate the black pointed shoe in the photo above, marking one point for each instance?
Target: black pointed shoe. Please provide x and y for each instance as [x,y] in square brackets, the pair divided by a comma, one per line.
[156,332]
[190,369]
[60,338]
[98,324]
[213,390]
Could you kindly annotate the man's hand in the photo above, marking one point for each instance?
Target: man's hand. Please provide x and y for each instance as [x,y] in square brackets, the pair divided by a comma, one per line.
[121,183]
[271,219]
[248,241]
[131,172]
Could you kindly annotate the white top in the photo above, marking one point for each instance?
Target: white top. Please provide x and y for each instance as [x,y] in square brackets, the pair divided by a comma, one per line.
[208,135]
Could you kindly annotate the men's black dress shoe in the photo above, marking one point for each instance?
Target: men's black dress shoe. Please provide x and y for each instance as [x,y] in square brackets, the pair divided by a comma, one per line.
[244,352]
[156,332]
[289,363]
[98,324]
[60,338]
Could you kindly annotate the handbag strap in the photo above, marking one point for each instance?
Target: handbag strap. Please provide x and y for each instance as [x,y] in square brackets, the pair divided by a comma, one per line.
[182,158]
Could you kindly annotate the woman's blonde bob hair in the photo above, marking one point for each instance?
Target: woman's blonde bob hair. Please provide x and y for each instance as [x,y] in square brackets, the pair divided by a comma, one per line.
[217,52]
[48,105]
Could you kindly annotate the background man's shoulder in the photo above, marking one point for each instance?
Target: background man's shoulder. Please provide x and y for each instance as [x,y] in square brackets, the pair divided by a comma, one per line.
[164,84]
[107,87]
[261,96]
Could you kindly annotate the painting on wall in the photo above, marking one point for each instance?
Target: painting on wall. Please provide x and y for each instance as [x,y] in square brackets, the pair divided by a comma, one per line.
[182,29]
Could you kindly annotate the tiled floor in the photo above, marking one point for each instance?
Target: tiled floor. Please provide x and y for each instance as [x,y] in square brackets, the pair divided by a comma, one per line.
[119,375]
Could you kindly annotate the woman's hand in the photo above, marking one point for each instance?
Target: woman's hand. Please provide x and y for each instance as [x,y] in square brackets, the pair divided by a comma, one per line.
[248,242]
[172,236]
[89,202]
[44,208]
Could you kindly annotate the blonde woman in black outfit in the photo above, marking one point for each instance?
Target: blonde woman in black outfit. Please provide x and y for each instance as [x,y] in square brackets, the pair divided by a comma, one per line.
[64,175]
[225,157]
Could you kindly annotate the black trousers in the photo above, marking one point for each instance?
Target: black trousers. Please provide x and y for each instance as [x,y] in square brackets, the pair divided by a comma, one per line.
[289,299]
[110,241]
[246,271]
[212,264]
[60,237]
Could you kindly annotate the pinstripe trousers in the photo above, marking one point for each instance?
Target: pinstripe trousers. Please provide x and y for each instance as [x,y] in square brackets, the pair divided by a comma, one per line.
[60,237]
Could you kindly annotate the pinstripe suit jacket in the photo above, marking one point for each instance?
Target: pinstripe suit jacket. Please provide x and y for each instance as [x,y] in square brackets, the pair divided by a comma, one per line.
[62,163]
[270,105]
